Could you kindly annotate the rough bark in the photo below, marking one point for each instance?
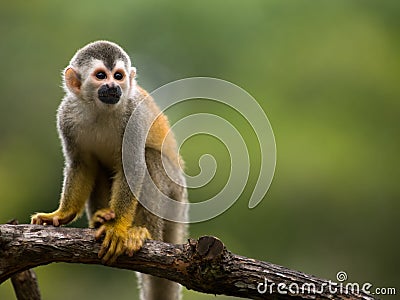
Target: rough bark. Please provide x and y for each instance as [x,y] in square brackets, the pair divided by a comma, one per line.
[204,265]
[25,283]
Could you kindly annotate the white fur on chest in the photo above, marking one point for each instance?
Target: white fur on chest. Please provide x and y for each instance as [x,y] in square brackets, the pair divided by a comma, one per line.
[99,134]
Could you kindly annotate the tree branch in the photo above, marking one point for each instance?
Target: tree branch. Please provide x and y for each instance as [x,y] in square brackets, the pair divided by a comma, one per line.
[25,283]
[204,265]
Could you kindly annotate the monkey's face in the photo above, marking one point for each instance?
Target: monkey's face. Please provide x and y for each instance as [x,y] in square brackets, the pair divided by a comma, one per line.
[110,84]
[101,84]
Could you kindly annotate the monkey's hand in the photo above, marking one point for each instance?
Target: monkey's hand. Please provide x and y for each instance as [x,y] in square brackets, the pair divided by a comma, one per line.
[120,239]
[56,218]
[100,217]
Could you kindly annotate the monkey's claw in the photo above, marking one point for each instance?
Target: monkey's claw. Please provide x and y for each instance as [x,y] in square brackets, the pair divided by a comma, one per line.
[119,240]
[101,216]
[56,218]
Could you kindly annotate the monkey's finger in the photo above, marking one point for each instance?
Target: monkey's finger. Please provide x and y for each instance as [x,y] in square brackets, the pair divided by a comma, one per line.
[137,244]
[108,252]
[101,219]
[98,222]
[104,247]
[132,247]
[40,221]
[109,216]
[35,221]
[129,250]
[134,244]
[105,215]
[100,232]
[56,221]
[115,246]
[119,249]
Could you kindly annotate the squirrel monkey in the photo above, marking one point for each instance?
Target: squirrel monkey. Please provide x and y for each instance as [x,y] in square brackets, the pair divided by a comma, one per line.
[100,95]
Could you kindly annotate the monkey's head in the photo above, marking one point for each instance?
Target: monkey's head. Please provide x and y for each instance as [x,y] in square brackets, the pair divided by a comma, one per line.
[100,72]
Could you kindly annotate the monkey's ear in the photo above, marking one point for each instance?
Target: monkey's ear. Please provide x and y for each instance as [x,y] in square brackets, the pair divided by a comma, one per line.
[132,76]
[133,73]
[72,80]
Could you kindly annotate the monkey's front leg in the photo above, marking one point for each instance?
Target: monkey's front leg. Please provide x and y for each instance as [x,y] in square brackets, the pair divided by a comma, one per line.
[78,183]
[121,236]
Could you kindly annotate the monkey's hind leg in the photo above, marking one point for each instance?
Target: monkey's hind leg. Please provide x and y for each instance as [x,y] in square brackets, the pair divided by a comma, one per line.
[97,208]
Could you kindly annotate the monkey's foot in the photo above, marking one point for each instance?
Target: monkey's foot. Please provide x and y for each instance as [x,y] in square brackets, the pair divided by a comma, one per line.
[100,217]
[56,218]
[119,240]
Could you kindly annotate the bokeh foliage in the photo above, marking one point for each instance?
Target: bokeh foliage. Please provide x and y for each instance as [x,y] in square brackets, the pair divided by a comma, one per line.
[327,74]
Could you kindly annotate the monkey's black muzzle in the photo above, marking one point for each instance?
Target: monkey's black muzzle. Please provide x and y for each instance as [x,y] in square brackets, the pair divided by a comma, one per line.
[109,95]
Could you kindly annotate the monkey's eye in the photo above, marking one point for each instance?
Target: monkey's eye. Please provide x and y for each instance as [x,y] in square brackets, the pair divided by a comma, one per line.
[118,76]
[101,75]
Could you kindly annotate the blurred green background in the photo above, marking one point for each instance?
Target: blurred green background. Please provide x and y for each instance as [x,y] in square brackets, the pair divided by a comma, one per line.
[327,74]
